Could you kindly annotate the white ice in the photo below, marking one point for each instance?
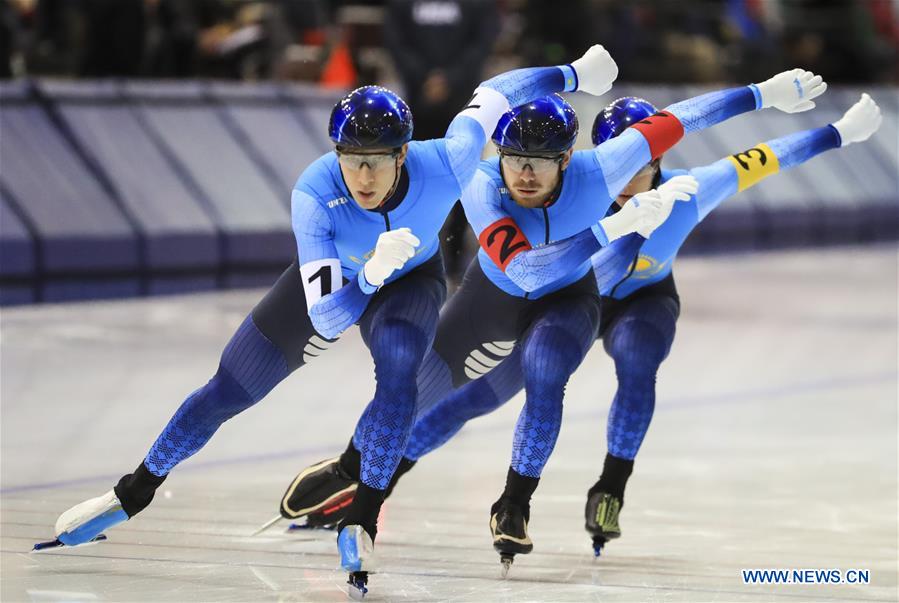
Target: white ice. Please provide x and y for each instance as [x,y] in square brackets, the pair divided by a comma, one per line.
[774,445]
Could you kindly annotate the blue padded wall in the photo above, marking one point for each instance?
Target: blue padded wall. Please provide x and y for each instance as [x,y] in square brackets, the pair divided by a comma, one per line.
[252,215]
[18,257]
[83,234]
[268,124]
[181,242]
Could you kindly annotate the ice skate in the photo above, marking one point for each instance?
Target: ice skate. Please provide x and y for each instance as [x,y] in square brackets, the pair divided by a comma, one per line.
[357,556]
[509,528]
[319,494]
[85,522]
[601,515]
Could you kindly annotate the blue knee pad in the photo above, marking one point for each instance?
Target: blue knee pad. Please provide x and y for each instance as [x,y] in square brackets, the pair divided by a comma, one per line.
[250,367]
[638,341]
[551,352]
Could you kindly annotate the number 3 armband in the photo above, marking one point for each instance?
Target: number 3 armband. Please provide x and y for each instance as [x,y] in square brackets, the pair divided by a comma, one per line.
[502,241]
[753,165]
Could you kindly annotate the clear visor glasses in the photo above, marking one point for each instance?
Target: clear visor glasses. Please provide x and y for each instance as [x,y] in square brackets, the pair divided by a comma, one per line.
[538,165]
[374,161]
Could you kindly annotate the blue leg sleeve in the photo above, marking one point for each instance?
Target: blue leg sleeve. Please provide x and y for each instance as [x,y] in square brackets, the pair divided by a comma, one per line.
[250,367]
[399,332]
[435,426]
[551,351]
[434,383]
[638,341]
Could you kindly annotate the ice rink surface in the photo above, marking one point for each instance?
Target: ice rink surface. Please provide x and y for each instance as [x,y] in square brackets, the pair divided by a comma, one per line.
[774,445]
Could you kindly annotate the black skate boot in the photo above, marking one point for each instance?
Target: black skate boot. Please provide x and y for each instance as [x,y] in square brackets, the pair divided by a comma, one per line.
[601,514]
[509,528]
[509,518]
[320,494]
[605,501]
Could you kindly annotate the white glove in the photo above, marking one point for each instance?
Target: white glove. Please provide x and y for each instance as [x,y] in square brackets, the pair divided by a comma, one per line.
[596,70]
[645,212]
[393,250]
[792,91]
[859,122]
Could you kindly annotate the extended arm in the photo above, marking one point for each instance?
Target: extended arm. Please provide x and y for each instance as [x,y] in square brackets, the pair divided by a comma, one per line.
[738,172]
[623,156]
[473,126]
[532,269]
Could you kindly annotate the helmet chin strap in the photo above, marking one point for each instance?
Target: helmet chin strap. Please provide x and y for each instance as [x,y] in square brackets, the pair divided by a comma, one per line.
[554,195]
[657,177]
[396,183]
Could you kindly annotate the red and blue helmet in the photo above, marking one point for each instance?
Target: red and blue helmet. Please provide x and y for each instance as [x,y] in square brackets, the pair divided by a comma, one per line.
[618,116]
[545,126]
[371,116]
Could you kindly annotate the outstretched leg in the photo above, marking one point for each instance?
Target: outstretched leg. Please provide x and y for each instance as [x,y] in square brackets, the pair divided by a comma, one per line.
[638,340]
[267,346]
[436,426]
[552,349]
[476,329]
[398,328]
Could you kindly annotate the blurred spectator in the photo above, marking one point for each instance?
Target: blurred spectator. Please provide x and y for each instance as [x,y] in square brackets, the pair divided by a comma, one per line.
[439,48]
[752,30]
[840,39]
[232,39]
[10,37]
[557,33]
[662,41]
[53,43]
[306,23]
[174,28]
[114,37]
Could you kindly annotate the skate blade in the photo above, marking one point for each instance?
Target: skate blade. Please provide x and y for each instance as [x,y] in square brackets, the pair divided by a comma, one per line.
[305,527]
[50,545]
[598,545]
[266,525]
[506,564]
[358,585]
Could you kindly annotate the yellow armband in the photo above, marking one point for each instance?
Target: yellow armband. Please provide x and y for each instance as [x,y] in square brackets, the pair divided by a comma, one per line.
[753,165]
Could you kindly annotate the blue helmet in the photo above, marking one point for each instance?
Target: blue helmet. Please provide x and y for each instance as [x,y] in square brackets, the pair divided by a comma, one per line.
[371,116]
[618,115]
[545,126]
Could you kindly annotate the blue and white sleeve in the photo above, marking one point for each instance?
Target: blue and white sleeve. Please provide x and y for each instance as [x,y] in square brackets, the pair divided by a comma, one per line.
[736,173]
[622,157]
[521,86]
[619,159]
[474,125]
[706,110]
[536,268]
[333,307]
